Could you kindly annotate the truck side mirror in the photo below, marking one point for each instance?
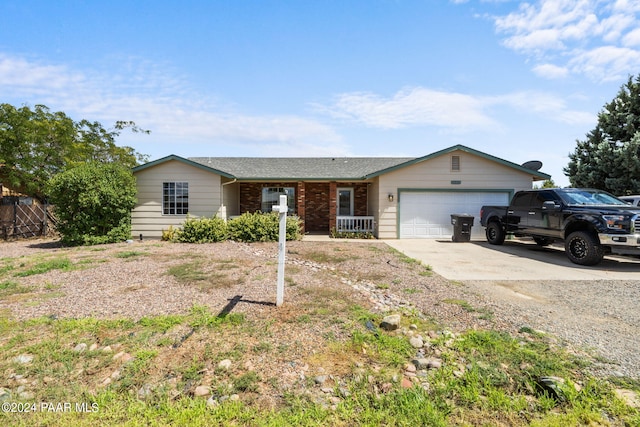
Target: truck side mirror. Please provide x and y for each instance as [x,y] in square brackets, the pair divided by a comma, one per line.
[550,206]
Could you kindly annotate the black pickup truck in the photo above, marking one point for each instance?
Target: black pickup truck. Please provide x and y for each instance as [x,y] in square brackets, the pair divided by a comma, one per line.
[591,223]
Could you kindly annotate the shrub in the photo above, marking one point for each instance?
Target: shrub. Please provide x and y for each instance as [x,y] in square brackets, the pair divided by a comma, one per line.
[93,203]
[351,234]
[202,230]
[170,235]
[261,227]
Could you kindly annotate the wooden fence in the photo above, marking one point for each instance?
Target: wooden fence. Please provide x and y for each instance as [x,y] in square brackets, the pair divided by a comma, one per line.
[23,221]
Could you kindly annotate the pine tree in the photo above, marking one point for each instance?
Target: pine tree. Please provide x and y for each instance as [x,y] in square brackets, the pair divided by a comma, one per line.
[609,157]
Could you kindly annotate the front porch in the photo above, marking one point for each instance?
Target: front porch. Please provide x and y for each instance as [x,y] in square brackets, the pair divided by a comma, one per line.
[323,207]
[357,224]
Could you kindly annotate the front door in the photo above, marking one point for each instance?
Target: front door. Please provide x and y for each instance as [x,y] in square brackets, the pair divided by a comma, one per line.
[345,201]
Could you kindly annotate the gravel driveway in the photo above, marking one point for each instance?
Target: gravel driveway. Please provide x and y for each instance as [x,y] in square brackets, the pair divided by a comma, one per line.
[593,308]
[600,316]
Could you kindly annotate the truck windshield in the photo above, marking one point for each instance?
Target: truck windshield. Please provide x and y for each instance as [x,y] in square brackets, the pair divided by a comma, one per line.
[590,197]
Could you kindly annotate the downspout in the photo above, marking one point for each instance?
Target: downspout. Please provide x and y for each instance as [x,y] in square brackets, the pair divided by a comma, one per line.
[222,196]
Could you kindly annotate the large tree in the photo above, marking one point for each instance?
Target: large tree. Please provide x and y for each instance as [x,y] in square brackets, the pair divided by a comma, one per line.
[36,144]
[609,157]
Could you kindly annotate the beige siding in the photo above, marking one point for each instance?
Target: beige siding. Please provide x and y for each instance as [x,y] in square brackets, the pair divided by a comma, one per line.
[475,173]
[204,196]
[231,192]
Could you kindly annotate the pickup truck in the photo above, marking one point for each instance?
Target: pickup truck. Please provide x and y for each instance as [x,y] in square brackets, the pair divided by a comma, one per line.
[591,223]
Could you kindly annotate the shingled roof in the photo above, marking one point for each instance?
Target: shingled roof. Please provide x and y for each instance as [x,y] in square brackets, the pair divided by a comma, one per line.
[300,168]
[321,168]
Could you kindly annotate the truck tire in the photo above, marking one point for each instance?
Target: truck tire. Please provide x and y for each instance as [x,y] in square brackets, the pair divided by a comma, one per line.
[495,233]
[583,248]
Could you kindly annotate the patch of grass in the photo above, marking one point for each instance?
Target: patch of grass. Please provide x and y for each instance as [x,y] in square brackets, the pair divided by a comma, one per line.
[193,372]
[200,316]
[188,272]
[63,264]
[324,258]
[246,382]
[129,254]
[11,288]
[382,286]
[193,273]
[461,303]
[262,347]
[161,323]
[411,291]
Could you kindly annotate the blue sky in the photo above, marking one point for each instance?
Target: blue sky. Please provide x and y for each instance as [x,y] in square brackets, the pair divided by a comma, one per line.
[518,80]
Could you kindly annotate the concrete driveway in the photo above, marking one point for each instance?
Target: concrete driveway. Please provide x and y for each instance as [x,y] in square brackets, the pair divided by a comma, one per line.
[515,260]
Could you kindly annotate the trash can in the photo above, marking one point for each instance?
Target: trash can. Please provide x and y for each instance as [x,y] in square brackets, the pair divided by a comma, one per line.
[462,224]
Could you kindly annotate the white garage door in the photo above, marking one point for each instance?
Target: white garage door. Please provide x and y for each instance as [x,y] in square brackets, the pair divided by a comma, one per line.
[428,214]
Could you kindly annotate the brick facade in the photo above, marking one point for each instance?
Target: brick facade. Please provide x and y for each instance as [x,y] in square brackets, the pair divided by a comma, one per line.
[315,201]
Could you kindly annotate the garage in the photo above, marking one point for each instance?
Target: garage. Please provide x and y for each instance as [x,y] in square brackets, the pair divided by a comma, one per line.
[427,214]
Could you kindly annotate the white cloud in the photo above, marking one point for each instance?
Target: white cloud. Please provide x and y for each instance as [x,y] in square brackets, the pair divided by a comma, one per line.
[607,63]
[155,99]
[550,71]
[449,111]
[572,34]
[632,39]
[411,107]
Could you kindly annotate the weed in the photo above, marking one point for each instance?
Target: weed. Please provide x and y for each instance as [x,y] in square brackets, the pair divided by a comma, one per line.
[247,382]
[129,254]
[262,347]
[63,264]
[11,288]
[161,323]
[463,304]
[324,258]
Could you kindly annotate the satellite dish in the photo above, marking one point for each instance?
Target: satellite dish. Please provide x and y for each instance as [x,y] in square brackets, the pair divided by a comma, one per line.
[534,165]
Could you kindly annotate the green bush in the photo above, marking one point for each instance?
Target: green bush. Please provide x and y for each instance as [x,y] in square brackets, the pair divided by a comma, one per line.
[351,234]
[202,230]
[170,235]
[93,203]
[261,227]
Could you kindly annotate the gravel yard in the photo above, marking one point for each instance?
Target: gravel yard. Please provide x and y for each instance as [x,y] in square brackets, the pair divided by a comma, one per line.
[150,278]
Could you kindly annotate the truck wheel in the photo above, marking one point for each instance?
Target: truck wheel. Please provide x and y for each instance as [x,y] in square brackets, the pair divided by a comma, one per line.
[495,233]
[583,248]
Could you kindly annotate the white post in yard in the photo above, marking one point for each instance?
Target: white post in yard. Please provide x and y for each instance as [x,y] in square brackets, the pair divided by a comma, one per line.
[282,238]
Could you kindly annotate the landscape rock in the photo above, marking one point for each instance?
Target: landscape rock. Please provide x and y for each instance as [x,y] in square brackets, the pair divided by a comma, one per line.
[416,342]
[202,390]
[427,363]
[80,348]
[628,396]
[23,359]
[224,364]
[391,322]
[406,382]
[144,392]
[320,379]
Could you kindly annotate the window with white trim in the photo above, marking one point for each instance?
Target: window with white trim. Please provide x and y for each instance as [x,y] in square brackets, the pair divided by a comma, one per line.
[175,198]
[271,197]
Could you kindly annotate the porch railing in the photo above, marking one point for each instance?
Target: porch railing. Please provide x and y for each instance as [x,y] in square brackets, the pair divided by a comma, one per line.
[362,224]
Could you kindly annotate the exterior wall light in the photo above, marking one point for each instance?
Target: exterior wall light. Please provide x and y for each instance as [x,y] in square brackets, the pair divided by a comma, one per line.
[390,197]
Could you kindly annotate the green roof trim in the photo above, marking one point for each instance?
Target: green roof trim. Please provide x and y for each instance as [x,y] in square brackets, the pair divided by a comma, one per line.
[182,160]
[466,149]
[319,168]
